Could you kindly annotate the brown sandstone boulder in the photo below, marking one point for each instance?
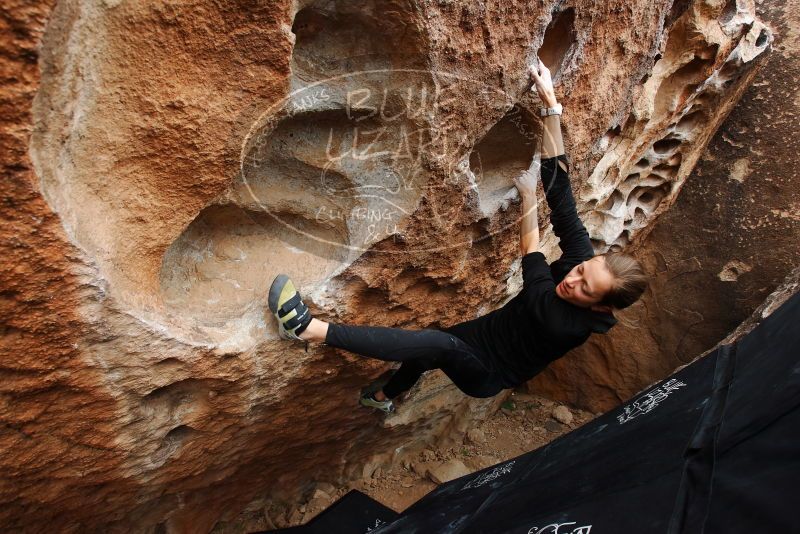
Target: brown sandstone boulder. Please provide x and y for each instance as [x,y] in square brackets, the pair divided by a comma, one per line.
[163,162]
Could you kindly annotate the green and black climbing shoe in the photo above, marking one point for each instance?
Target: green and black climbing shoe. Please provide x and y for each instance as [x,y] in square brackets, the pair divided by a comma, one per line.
[285,304]
[369,400]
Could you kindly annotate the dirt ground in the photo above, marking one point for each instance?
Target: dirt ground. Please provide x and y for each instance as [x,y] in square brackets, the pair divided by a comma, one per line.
[525,422]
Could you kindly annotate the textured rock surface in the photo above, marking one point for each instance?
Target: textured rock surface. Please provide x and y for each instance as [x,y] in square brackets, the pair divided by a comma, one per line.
[726,243]
[562,415]
[163,163]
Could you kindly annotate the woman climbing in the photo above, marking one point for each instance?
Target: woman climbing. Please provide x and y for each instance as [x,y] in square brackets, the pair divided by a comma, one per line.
[559,305]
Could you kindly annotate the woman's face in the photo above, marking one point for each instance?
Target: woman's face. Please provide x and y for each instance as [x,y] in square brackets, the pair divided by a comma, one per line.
[586,283]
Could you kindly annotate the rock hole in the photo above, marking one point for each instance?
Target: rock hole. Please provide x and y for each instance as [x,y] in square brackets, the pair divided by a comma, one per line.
[558,39]
[613,203]
[630,121]
[643,163]
[666,146]
[763,37]
[372,299]
[179,434]
[732,270]
[316,189]
[621,242]
[608,137]
[308,23]
[480,234]
[342,38]
[729,70]
[506,150]
[680,84]
[689,122]
[728,12]
[172,443]
[631,181]
[639,217]
[708,52]
[171,403]
[665,170]
[700,100]
[423,288]
[652,180]
[169,365]
[222,264]
[677,9]
[647,198]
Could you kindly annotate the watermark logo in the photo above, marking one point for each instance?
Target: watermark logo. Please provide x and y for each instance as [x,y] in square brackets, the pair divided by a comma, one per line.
[489,476]
[649,401]
[344,162]
[561,528]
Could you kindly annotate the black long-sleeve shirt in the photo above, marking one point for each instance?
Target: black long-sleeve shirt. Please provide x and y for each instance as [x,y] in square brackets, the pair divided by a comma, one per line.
[536,326]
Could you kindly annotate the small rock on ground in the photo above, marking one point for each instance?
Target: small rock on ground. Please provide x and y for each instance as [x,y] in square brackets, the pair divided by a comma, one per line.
[553,426]
[476,436]
[321,495]
[562,415]
[428,455]
[447,471]
[328,488]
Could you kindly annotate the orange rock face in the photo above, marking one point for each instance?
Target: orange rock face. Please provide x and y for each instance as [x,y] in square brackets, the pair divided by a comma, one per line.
[163,163]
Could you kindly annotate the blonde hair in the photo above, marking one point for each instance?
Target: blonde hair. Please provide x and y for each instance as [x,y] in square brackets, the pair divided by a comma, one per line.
[630,280]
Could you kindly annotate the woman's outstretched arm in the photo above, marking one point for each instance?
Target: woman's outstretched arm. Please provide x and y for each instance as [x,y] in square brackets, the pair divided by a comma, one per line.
[552,142]
[529,230]
[573,238]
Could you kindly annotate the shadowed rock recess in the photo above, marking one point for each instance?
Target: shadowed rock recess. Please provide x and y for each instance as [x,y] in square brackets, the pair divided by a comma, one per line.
[165,162]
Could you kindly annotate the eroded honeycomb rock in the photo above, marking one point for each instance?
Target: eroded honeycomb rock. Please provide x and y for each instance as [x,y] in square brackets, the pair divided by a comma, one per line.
[685,97]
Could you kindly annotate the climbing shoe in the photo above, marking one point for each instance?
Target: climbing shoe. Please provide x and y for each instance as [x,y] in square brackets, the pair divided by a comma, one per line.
[368,400]
[285,304]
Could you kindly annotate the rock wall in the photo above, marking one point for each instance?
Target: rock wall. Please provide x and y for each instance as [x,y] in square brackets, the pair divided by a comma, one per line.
[164,162]
[729,240]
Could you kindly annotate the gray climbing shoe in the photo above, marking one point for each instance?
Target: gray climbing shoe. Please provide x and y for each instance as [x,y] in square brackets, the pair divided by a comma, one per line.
[369,401]
[288,308]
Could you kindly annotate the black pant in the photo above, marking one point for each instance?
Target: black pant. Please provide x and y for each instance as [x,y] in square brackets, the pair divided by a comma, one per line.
[470,369]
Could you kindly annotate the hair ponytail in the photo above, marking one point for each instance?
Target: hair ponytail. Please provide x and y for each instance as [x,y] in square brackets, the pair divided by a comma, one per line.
[630,280]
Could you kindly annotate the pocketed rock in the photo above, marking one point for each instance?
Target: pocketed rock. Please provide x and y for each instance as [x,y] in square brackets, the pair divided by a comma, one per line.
[161,166]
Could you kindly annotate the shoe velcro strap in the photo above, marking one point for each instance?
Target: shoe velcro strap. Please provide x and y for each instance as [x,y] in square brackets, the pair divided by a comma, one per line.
[297,320]
[289,305]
